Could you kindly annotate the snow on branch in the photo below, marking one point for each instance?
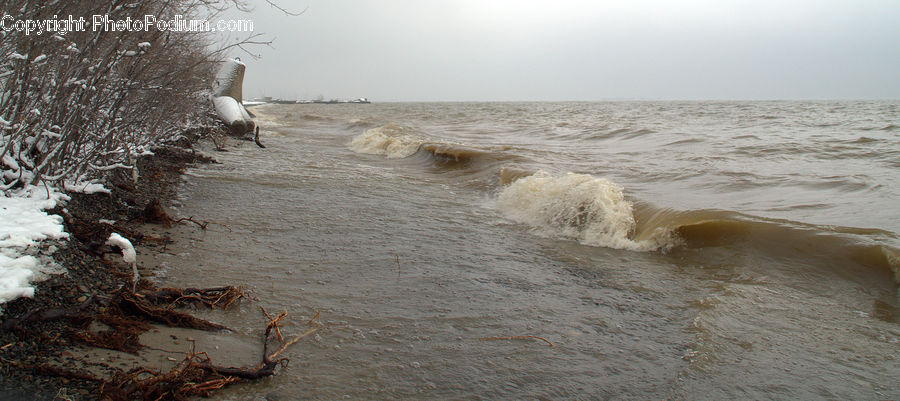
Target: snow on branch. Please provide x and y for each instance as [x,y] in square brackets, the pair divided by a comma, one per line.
[68,102]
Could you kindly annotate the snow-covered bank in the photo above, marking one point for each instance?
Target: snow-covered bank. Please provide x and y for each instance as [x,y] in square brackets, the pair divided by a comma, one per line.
[23,223]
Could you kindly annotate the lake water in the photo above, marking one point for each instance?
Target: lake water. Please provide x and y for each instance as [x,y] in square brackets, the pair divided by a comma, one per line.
[680,250]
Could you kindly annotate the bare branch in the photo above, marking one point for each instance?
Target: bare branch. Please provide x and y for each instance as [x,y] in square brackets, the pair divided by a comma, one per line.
[273,4]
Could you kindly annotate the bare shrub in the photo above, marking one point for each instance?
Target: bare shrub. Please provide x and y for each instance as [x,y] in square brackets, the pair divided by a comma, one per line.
[74,106]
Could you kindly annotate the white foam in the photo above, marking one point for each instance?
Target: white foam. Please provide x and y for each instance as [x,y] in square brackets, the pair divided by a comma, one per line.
[392,141]
[589,209]
[893,261]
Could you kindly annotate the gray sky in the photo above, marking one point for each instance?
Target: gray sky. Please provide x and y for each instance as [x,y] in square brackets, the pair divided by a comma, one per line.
[456,50]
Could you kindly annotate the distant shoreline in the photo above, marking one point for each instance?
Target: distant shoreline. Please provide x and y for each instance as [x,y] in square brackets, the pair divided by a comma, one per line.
[268,100]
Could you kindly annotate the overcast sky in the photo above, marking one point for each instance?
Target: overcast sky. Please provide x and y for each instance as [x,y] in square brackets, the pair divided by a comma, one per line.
[457,50]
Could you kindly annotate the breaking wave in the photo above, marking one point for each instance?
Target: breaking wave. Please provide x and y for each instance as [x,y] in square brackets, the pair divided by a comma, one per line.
[314,117]
[595,211]
[508,175]
[391,140]
[361,123]
[589,209]
[400,142]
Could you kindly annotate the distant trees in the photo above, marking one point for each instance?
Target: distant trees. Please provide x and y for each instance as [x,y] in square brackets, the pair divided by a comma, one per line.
[78,104]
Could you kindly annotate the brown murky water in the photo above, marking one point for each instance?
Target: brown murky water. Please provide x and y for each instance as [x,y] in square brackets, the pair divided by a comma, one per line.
[694,250]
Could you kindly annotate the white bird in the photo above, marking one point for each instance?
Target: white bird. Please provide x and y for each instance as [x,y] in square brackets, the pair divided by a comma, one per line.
[128,255]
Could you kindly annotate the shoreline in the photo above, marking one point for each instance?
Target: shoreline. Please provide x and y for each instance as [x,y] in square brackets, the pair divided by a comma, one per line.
[89,273]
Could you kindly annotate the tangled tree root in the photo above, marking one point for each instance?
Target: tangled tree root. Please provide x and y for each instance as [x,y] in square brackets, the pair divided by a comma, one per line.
[218,297]
[127,315]
[196,375]
[138,306]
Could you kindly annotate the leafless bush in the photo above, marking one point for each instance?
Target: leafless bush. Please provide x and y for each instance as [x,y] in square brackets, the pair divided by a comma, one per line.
[74,106]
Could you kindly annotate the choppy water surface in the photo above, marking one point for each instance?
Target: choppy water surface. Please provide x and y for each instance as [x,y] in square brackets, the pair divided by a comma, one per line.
[692,250]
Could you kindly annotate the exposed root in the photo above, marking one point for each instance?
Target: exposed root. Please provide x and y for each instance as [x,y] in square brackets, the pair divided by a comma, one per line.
[127,315]
[133,305]
[273,322]
[315,319]
[193,376]
[219,138]
[292,342]
[196,375]
[111,339]
[154,213]
[202,224]
[517,338]
[218,297]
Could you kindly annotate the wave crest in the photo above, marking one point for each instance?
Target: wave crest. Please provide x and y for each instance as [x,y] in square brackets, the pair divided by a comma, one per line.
[400,142]
[391,140]
[835,247]
[595,212]
[592,210]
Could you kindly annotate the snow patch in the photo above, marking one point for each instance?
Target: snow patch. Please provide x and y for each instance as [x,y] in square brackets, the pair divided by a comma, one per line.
[74,82]
[128,253]
[23,222]
[15,274]
[128,256]
[85,187]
